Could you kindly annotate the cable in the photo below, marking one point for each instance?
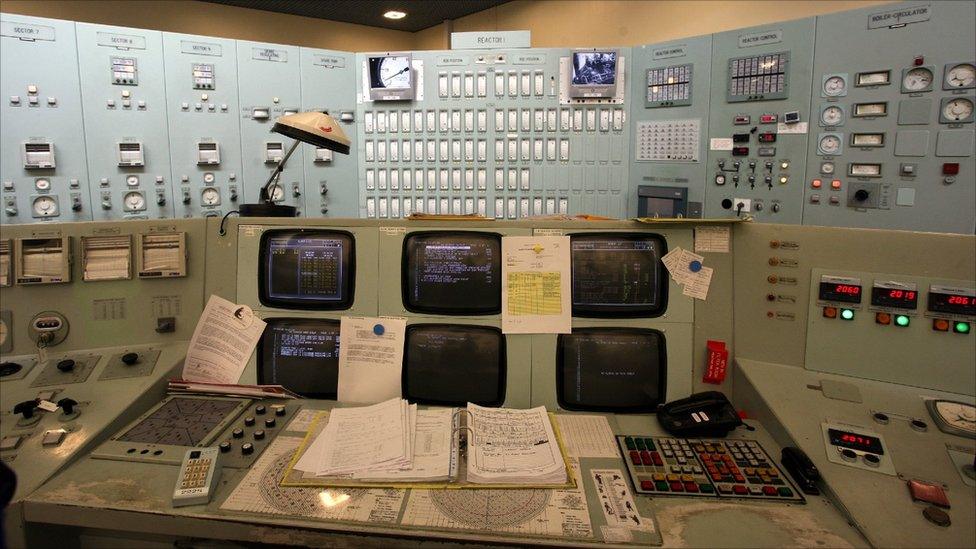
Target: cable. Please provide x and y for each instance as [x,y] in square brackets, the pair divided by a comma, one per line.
[221,231]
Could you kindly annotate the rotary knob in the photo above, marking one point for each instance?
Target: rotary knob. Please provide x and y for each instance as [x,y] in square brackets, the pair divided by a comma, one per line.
[66,365]
[9,368]
[224,447]
[238,433]
[861,195]
[260,409]
[280,411]
[259,434]
[247,448]
[249,422]
[130,358]
[269,423]
[67,405]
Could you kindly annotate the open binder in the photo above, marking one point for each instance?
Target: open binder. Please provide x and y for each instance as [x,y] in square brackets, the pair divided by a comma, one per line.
[463,439]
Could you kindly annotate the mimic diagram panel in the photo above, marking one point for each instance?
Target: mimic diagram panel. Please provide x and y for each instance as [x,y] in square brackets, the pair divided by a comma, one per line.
[506,133]
[204,127]
[269,80]
[42,159]
[893,105]
[329,85]
[758,121]
[126,135]
[669,119]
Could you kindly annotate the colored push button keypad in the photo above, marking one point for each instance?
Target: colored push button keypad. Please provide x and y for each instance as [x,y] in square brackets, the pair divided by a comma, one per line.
[195,475]
[704,468]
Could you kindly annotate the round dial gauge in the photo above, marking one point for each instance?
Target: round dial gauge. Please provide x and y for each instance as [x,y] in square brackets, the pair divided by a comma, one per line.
[960,415]
[45,206]
[832,116]
[917,79]
[829,144]
[835,85]
[43,184]
[962,75]
[132,180]
[958,109]
[277,194]
[395,72]
[209,197]
[208,178]
[134,201]
[827,168]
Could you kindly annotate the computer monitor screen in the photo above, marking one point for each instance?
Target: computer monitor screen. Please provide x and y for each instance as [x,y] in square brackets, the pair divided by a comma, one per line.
[301,354]
[611,369]
[618,275]
[594,68]
[451,365]
[452,272]
[307,269]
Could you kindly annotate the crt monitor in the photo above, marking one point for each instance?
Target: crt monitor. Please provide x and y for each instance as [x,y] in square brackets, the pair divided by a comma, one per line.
[302,355]
[307,269]
[594,74]
[611,369]
[452,272]
[618,275]
[453,364]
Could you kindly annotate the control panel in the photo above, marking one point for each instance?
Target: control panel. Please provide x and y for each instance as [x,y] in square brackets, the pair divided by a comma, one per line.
[43,171]
[202,109]
[126,133]
[857,446]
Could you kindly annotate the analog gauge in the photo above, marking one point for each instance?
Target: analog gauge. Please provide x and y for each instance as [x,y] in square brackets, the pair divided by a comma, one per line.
[211,197]
[43,184]
[132,180]
[720,179]
[834,86]
[829,144]
[208,178]
[871,109]
[395,72]
[277,194]
[917,79]
[877,78]
[958,109]
[962,75]
[867,139]
[133,202]
[45,206]
[827,168]
[865,170]
[954,417]
[832,116]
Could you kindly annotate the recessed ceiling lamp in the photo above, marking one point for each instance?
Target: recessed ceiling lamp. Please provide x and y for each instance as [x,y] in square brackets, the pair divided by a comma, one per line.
[394,14]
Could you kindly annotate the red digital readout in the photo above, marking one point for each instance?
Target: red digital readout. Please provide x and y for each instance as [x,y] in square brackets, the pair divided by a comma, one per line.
[902,294]
[847,289]
[857,439]
[961,300]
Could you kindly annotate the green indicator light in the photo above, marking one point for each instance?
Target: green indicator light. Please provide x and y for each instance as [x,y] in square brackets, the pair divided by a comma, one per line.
[961,328]
[902,320]
[847,314]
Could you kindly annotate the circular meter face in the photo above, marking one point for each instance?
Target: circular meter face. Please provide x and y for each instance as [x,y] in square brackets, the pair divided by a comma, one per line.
[959,415]
[43,184]
[208,178]
[277,194]
[45,206]
[832,116]
[134,201]
[958,109]
[827,168]
[829,144]
[917,79]
[210,197]
[395,72]
[962,75]
[132,180]
[835,85]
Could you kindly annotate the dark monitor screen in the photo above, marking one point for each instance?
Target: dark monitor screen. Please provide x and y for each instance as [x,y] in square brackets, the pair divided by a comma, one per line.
[451,365]
[307,269]
[611,369]
[618,275]
[452,272]
[301,354]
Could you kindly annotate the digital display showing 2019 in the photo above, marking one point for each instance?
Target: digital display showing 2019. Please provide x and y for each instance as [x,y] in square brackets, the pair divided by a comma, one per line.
[894,297]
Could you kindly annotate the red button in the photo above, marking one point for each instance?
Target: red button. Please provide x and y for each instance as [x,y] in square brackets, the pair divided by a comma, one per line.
[940,325]
[950,168]
[646,457]
[691,487]
[739,478]
[740,489]
[816,184]
[769,490]
[657,459]
[647,485]
[635,457]
[676,486]
[830,312]
[835,184]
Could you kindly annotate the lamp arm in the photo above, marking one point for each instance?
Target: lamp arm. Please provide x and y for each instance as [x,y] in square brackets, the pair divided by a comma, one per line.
[267,189]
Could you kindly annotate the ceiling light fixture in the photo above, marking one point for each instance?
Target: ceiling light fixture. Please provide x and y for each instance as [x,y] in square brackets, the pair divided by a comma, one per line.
[394,14]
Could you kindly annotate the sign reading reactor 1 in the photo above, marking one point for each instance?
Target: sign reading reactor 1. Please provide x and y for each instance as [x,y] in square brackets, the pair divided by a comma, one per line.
[490,40]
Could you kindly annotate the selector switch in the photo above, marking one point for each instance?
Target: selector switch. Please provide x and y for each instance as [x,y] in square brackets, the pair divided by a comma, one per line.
[260,409]
[259,434]
[130,358]
[249,422]
[237,433]
[67,406]
[66,365]
[269,422]
[247,448]
[224,447]
[279,411]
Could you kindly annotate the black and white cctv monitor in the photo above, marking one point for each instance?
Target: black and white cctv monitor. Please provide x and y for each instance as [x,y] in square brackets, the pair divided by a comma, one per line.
[594,74]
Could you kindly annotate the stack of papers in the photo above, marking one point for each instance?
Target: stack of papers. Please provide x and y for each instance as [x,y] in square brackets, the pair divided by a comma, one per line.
[389,441]
[509,446]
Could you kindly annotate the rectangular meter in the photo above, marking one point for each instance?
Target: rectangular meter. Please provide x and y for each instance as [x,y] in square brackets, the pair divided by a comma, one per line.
[208,154]
[867,139]
[874,78]
[840,289]
[858,169]
[890,293]
[38,155]
[5,277]
[43,260]
[161,255]
[871,109]
[131,154]
[203,76]
[106,257]
[952,300]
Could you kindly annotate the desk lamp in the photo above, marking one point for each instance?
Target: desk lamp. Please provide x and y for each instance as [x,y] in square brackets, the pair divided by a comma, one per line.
[314,128]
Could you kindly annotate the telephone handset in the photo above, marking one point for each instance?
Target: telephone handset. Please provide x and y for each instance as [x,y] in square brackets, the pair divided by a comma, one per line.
[707,414]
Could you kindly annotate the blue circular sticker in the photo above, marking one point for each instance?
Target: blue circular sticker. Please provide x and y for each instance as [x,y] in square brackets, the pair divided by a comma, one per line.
[695,266]
[378,329]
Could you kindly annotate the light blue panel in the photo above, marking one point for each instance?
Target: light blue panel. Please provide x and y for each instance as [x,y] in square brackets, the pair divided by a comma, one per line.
[269,80]
[41,54]
[125,112]
[329,84]
[202,107]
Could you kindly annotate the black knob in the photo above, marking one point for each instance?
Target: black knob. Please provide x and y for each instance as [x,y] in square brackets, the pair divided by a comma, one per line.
[259,434]
[76,207]
[66,365]
[238,433]
[872,459]
[727,204]
[67,405]
[9,368]
[224,447]
[26,408]
[280,411]
[130,358]
[249,422]
[260,409]
[861,195]
[270,422]
[848,454]
[247,448]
